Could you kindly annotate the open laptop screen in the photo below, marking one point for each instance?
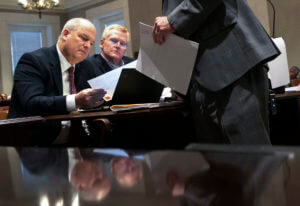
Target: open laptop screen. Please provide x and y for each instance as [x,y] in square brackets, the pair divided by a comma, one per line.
[134,87]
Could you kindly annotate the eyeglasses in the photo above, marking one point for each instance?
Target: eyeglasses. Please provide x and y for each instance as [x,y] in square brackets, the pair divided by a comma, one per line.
[115,41]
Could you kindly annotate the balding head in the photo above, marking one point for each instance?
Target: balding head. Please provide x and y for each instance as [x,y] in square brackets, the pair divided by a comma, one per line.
[76,39]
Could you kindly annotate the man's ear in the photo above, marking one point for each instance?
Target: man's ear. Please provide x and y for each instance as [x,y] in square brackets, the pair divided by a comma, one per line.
[65,34]
[101,43]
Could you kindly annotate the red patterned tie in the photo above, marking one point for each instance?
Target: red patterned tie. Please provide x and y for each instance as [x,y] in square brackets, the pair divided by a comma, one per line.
[71,80]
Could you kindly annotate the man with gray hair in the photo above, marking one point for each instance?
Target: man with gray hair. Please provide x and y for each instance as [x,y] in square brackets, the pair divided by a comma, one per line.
[44,82]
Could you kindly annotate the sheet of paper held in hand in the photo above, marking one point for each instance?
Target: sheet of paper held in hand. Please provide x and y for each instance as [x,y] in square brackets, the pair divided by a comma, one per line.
[171,63]
[109,80]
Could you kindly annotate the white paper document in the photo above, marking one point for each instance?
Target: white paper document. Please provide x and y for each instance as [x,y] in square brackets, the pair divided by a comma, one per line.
[278,68]
[292,89]
[171,63]
[109,80]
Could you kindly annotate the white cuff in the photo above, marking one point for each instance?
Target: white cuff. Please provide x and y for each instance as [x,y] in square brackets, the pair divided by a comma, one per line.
[71,104]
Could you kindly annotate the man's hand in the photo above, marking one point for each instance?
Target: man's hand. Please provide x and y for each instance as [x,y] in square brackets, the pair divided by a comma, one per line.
[161,29]
[89,98]
[175,183]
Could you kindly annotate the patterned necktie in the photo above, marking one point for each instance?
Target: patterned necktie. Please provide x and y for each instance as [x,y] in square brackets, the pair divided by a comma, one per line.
[71,80]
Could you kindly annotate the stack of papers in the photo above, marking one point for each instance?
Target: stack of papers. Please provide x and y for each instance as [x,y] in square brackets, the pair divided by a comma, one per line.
[293,89]
[127,107]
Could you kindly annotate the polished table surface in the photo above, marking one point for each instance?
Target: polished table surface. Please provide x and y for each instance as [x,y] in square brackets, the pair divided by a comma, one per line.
[200,175]
[168,120]
[94,114]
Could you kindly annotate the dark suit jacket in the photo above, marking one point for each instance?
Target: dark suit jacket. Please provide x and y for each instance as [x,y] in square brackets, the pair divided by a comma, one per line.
[231,39]
[38,90]
[96,65]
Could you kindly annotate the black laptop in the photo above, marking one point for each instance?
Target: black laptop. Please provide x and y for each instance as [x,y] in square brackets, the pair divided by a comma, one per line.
[134,87]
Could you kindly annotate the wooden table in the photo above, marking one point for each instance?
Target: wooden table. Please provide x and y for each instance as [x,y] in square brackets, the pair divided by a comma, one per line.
[180,108]
[288,95]
[162,126]
[152,128]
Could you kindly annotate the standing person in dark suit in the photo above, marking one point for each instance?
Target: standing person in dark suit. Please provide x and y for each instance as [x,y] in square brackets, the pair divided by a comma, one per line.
[113,46]
[43,82]
[229,86]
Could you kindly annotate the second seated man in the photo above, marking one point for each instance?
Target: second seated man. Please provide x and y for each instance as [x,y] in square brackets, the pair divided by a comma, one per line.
[113,46]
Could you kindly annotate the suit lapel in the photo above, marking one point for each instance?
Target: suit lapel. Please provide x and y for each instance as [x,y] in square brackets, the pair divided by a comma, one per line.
[55,68]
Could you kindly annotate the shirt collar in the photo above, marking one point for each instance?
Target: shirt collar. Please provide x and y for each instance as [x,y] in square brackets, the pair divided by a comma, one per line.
[64,64]
[110,64]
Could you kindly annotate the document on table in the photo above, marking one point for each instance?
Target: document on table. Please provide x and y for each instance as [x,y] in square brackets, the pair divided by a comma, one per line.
[128,107]
[109,80]
[171,63]
[292,89]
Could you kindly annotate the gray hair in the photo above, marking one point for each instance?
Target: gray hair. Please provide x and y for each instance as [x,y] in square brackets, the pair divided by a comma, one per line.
[120,28]
[74,23]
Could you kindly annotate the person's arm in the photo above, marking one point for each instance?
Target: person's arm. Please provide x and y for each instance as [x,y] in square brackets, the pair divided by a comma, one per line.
[85,99]
[37,91]
[185,19]
[89,98]
[32,83]
[189,15]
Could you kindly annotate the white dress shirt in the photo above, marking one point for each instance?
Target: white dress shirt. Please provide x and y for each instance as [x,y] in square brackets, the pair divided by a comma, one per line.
[70,98]
[65,65]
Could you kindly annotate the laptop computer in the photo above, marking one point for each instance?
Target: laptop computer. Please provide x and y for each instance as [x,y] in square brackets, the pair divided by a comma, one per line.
[134,87]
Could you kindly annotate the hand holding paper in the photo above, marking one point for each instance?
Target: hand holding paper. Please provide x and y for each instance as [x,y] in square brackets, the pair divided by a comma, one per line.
[171,63]
[109,80]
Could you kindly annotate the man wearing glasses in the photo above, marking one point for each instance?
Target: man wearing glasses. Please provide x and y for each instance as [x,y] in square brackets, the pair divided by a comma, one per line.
[113,46]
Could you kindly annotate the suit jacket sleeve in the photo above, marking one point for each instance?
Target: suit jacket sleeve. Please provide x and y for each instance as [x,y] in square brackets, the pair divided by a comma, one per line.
[36,88]
[189,15]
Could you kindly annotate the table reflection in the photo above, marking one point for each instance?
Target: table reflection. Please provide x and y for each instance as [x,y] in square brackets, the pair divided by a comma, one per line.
[115,176]
[90,180]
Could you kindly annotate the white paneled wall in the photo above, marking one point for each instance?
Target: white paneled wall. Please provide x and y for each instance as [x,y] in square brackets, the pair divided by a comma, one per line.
[6,78]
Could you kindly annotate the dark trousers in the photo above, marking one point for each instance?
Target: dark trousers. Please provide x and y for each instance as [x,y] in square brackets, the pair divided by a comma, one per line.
[237,114]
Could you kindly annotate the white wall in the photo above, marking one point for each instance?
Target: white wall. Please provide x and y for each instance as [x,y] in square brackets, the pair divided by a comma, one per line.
[6,78]
[288,26]
[260,9]
[142,11]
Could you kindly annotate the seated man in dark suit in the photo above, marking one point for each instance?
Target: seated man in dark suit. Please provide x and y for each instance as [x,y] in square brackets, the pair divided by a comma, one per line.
[44,82]
[113,46]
